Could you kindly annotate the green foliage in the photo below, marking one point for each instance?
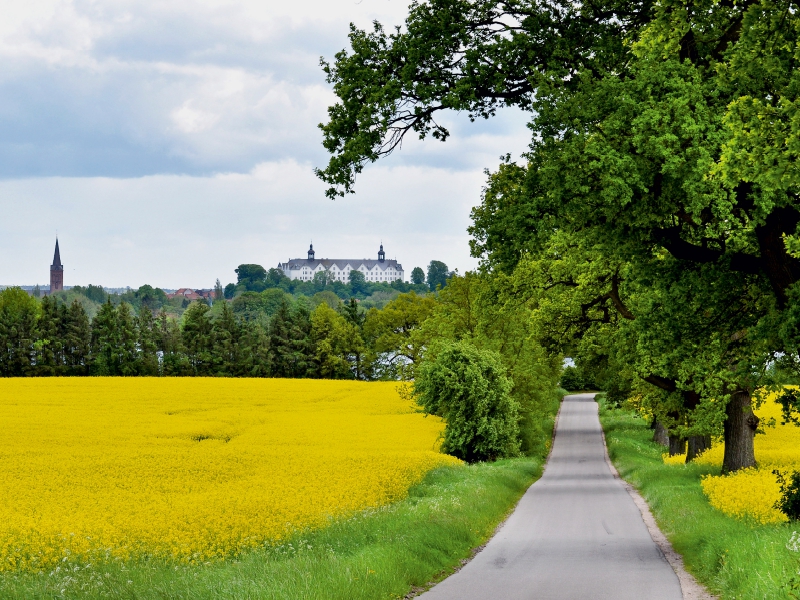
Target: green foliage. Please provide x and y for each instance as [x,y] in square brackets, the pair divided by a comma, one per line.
[352,313]
[469,389]
[574,378]
[437,275]
[127,337]
[789,503]
[571,379]
[147,344]
[77,340]
[327,297]
[380,299]
[485,310]
[104,340]
[337,343]
[395,336]
[276,277]
[252,278]
[417,275]
[95,293]
[252,306]
[654,221]
[289,341]
[146,297]
[358,283]
[197,337]
[789,399]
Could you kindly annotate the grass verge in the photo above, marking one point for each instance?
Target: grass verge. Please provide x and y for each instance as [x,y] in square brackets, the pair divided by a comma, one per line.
[377,554]
[732,558]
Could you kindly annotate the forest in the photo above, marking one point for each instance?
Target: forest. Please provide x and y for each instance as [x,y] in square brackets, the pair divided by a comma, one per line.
[263,325]
[653,219]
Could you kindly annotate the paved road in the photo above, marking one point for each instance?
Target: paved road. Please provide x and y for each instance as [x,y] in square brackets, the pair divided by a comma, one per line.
[576,533]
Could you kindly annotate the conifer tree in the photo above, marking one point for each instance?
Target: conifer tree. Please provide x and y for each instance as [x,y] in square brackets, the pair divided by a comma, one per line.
[169,341]
[105,341]
[77,340]
[289,341]
[148,349]
[226,333]
[198,338]
[18,316]
[255,351]
[128,337]
[48,339]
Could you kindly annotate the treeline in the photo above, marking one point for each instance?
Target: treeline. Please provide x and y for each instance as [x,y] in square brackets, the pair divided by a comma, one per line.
[255,278]
[290,338]
[283,336]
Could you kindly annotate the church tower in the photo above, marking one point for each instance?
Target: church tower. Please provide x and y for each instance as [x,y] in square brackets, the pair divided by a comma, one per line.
[381,254]
[56,272]
[311,252]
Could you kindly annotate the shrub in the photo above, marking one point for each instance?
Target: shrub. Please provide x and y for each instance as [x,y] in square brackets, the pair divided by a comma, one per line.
[571,379]
[469,389]
[789,504]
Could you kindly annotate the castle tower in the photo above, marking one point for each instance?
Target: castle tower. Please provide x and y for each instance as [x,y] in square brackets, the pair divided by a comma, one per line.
[311,252]
[381,254]
[56,272]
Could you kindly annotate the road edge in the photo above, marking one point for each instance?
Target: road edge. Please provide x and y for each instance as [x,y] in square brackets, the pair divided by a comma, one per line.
[419,590]
[690,587]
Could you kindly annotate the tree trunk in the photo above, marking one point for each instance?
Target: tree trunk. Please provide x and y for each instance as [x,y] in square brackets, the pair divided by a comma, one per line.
[740,428]
[697,445]
[677,445]
[660,435]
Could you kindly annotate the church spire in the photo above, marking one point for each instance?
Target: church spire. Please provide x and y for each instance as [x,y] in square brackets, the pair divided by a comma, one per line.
[57,256]
[56,272]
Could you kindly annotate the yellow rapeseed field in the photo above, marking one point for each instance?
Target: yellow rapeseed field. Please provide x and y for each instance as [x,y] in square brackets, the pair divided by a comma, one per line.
[195,469]
[752,493]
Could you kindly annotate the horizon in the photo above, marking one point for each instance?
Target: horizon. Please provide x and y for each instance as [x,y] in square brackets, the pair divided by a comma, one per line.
[168,163]
[406,270]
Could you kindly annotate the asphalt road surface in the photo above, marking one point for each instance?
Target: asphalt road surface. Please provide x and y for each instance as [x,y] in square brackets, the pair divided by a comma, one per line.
[576,533]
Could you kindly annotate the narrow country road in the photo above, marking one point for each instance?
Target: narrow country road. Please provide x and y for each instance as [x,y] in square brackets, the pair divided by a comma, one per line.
[576,533]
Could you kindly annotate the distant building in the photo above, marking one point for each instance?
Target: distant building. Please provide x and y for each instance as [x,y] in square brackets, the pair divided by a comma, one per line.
[56,272]
[380,270]
[187,293]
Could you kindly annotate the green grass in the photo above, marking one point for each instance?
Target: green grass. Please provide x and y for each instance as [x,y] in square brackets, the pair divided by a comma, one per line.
[732,558]
[379,554]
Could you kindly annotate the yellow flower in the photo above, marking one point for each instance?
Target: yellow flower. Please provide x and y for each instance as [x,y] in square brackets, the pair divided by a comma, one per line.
[752,493]
[195,469]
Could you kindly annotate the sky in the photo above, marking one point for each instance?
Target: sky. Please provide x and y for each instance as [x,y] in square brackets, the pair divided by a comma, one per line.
[167,142]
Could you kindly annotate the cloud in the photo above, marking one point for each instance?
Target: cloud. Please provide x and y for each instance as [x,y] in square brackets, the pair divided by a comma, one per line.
[138,88]
[169,141]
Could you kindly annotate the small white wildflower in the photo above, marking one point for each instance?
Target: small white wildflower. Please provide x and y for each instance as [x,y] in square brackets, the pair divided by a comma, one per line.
[794,542]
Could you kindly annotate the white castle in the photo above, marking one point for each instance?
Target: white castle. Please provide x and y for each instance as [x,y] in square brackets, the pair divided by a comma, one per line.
[380,270]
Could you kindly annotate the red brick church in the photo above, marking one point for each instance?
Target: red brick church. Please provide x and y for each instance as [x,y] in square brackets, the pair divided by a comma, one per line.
[56,272]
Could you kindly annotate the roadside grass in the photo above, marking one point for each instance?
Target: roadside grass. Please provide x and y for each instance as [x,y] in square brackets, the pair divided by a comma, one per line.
[382,553]
[731,557]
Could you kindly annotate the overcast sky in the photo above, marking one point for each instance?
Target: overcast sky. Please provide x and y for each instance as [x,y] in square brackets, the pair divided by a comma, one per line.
[166,142]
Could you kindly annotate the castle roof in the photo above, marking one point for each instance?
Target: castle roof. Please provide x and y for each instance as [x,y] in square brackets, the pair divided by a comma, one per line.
[340,263]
